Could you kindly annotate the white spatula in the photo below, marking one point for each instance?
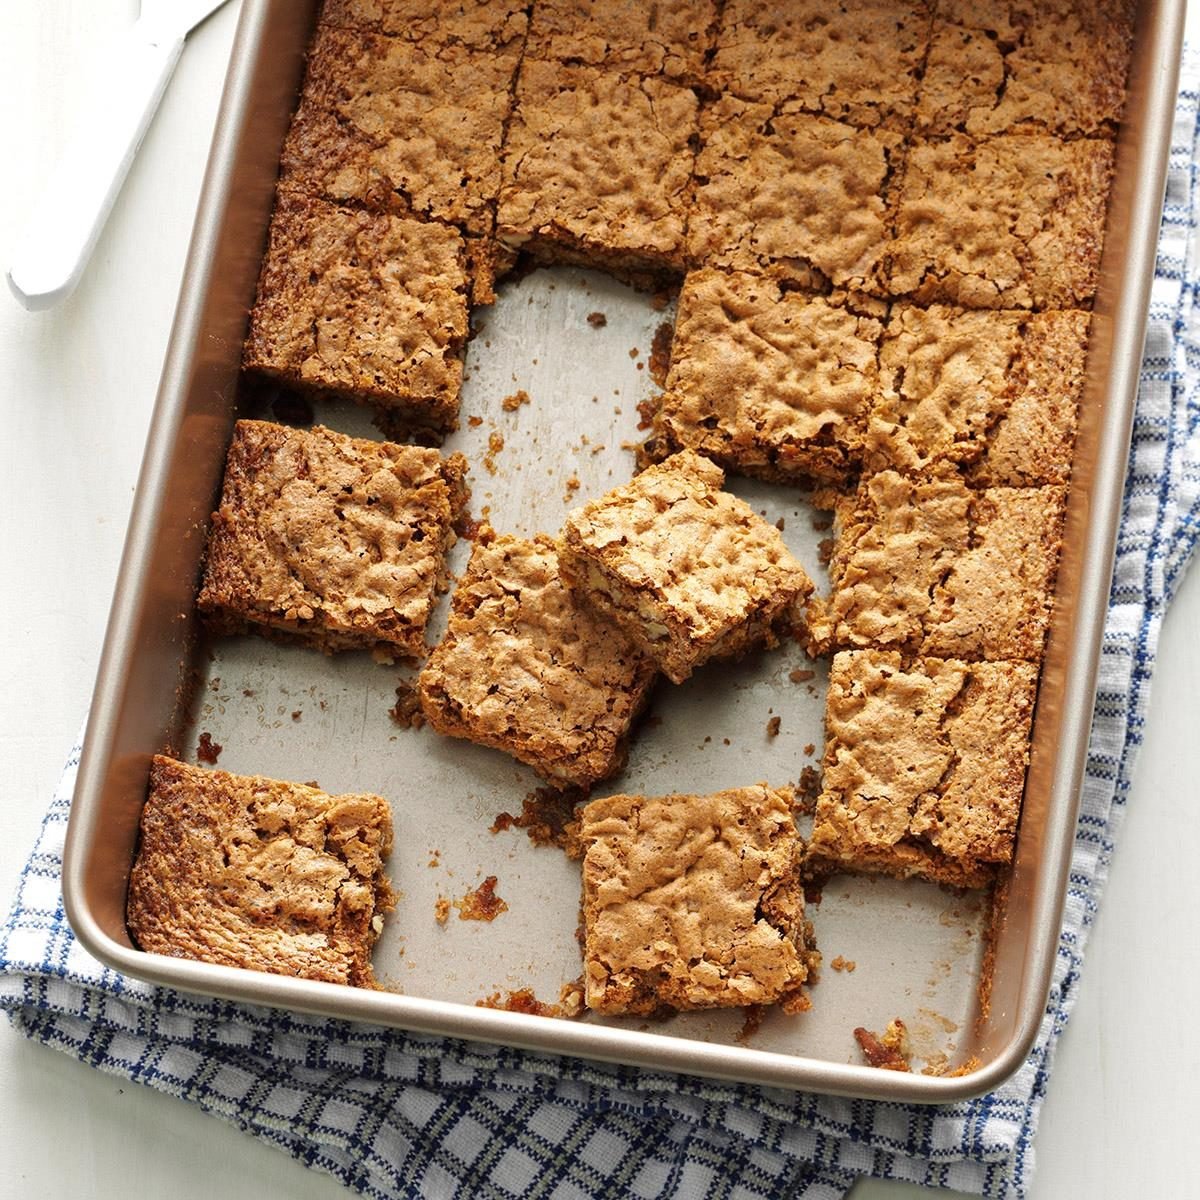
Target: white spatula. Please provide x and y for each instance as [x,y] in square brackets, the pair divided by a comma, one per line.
[51,251]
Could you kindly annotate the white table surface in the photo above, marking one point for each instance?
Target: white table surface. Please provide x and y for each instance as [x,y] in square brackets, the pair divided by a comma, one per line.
[76,388]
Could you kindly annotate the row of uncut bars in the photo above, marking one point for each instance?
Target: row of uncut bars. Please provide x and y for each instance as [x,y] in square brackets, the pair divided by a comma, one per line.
[887,218]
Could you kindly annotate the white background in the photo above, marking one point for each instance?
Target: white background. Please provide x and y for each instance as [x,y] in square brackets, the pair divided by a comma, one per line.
[76,388]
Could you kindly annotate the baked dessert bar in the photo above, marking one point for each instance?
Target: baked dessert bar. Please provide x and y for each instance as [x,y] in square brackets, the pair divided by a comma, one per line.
[528,669]
[924,766]
[250,872]
[408,127]
[693,901]
[1038,66]
[597,169]
[934,566]
[993,393]
[801,196]
[337,541]
[362,304]
[669,38]
[494,25]
[689,571]
[1007,222]
[854,60]
[767,381]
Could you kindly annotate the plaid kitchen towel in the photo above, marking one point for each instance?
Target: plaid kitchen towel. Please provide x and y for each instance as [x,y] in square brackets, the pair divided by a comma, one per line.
[394,1114]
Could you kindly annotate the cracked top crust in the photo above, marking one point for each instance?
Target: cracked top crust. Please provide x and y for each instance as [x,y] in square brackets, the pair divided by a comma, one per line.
[924,766]
[853,60]
[767,381]
[526,668]
[668,38]
[497,26]
[994,392]
[703,559]
[931,565]
[1054,66]
[794,194]
[365,304]
[402,126]
[692,901]
[600,162]
[1010,222]
[336,538]
[257,873]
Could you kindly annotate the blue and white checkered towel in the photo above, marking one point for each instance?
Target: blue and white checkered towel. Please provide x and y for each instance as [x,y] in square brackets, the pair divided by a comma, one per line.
[394,1114]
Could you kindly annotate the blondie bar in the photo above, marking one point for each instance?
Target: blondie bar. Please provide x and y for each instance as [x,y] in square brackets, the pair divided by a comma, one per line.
[527,668]
[334,540]
[690,572]
[367,305]
[765,380]
[251,872]
[597,169]
[924,766]
[994,393]
[1012,221]
[933,566]
[801,196]
[693,901]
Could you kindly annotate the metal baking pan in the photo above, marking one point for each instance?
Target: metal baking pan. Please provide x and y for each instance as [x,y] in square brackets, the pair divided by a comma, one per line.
[918,949]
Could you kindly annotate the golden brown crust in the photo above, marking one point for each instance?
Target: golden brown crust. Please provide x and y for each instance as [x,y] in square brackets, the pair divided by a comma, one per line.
[492,25]
[688,570]
[933,566]
[692,901]
[853,60]
[924,766]
[1012,221]
[597,168]
[992,392]
[1039,66]
[525,668]
[336,540]
[767,381]
[800,196]
[251,872]
[668,38]
[362,304]
[402,127]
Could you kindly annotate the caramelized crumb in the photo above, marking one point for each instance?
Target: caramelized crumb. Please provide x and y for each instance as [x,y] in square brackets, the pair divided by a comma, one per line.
[548,817]
[208,751]
[808,788]
[825,551]
[752,1023]
[781,524]
[801,676]
[513,402]
[495,445]
[809,749]
[597,320]
[634,352]
[889,1052]
[406,712]
[571,487]
[474,422]
[822,522]
[660,353]
[441,910]
[773,727]
[296,714]
[843,964]
[481,904]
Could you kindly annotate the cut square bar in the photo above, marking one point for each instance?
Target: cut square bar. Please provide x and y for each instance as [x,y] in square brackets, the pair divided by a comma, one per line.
[924,766]
[693,902]
[364,305]
[250,872]
[335,541]
[410,128]
[1034,66]
[668,38]
[1008,222]
[852,60]
[526,668]
[767,381]
[800,196]
[994,393]
[934,566]
[597,169]
[690,572]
